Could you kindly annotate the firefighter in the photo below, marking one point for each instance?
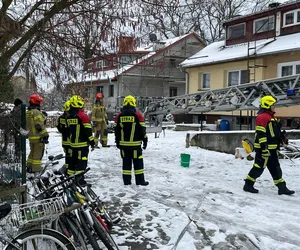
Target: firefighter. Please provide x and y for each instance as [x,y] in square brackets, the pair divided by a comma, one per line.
[81,137]
[268,137]
[62,128]
[38,135]
[130,133]
[100,121]
[16,120]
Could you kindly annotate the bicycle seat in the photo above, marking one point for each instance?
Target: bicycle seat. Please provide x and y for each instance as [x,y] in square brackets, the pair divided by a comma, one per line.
[4,210]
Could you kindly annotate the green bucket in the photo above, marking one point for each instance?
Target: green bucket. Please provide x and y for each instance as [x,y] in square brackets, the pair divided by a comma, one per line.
[185,160]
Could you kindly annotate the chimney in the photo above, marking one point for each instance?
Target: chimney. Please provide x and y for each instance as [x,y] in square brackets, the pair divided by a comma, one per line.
[126,44]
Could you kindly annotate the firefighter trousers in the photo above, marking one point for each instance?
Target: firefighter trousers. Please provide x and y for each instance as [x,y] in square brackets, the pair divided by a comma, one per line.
[134,156]
[260,163]
[100,130]
[34,160]
[79,159]
[68,157]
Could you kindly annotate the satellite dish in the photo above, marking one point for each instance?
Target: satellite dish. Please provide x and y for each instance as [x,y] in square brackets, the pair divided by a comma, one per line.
[153,37]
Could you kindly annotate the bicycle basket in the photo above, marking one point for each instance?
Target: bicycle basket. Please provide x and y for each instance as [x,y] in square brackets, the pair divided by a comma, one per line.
[35,213]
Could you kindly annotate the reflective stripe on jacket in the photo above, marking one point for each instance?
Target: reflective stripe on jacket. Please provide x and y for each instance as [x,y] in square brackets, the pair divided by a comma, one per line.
[80,130]
[267,131]
[62,128]
[34,122]
[130,128]
[99,113]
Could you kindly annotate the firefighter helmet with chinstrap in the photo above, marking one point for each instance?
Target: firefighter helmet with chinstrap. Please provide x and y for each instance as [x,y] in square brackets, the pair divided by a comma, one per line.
[67,106]
[36,99]
[76,102]
[129,100]
[267,101]
[99,96]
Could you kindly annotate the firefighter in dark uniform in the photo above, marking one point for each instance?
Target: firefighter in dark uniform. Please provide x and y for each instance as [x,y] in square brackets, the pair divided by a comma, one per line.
[130,133]
[62,128]
[81,137]
[268,137]
[100,121]
[38,135]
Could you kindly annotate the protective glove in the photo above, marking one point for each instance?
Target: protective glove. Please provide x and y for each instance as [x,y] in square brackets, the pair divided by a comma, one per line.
[94,124]
[107,122]
[265,153]
[145,143]
[44,139]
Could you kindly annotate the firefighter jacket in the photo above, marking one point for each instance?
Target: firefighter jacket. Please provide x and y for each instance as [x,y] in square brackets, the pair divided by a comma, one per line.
[35,124]
[267,131]
[130,129]
[62,128]
[99,113]
[80,129]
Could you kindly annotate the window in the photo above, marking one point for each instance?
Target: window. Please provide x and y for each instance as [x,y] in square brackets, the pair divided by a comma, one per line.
[263,24]
[173,63]
[205,81]
[291,18]
[111,90]
[236,31]
[173,91]
[99,89]
[87,92]
[105,63]
[237,77]
[90,66]
[99,64]
[289,68]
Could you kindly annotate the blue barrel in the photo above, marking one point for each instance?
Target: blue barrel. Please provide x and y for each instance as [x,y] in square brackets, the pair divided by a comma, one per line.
[224,125]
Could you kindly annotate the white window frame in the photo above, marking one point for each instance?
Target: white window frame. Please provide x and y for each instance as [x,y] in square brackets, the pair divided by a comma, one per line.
[257,20]
[240,74]
[280,65]
[202,78]
[295,18]
[99,64]
[229,37]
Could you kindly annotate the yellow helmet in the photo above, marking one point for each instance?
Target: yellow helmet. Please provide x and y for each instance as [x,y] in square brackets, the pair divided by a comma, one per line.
[67,106]
[267,101]
[76,102]
[129,100]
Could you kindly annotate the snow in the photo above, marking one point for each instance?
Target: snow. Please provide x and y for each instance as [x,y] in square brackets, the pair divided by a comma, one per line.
[217,52]
[209,193]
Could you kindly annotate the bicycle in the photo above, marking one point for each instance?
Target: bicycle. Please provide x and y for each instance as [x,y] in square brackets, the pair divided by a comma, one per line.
[87,217]
[26,217]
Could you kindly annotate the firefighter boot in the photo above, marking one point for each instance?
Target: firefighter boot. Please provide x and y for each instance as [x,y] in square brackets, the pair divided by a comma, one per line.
[140,180]
[282,189]
[248,187]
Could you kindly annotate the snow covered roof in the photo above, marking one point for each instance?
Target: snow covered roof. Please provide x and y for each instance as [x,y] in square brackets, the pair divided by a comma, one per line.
[112,73]
[217,52]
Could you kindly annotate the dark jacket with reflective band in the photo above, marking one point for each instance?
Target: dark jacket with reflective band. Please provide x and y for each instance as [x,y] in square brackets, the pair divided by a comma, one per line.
[80,129]
[62,128]
[267,132]
[35,124]
[130,128]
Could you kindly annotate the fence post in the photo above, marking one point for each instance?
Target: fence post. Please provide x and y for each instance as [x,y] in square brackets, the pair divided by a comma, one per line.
[23,147]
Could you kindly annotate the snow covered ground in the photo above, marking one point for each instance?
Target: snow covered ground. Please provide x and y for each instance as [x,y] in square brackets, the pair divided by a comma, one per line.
[200,207]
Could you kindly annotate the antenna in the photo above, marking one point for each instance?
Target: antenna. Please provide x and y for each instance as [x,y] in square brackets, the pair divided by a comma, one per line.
[153,37]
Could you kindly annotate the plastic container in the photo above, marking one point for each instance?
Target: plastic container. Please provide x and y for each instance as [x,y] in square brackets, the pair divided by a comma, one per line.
[185,160]
[224,125]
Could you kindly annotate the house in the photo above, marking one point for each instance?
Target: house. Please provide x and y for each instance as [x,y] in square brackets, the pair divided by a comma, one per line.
[258,46]
[145,73]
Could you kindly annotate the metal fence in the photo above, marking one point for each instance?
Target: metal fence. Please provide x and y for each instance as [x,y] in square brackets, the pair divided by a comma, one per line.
[12,157]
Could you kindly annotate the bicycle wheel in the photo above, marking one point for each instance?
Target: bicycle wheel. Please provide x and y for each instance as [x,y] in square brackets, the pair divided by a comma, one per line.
[41,239]
[103,234]
[71,230]
[88,231]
